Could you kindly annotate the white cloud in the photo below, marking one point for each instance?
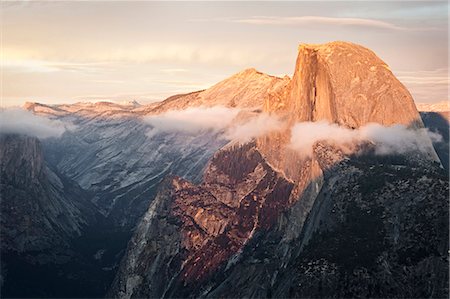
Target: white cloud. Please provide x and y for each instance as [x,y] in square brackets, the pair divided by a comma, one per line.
[18,121]
[393,139]
[253,127]
[193,120]
[227,121]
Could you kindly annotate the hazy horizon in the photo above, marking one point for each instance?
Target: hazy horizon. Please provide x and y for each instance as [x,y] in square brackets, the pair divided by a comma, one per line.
[66,52]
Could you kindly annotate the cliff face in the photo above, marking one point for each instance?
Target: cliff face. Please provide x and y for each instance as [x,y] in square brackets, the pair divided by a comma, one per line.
[349,85]
[18,154]
[37,213]
[239,220]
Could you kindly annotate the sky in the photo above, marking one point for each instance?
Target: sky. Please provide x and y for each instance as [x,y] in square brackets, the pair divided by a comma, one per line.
[72,51]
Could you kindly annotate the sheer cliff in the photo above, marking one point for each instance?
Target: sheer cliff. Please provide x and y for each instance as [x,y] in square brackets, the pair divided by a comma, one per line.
[42,214]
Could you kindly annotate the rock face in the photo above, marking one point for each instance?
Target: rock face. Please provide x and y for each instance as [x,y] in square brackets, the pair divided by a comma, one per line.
[349,85]
[195,230]
[438,122]
[37,214]
[386,240]
[323,244]
[42,214]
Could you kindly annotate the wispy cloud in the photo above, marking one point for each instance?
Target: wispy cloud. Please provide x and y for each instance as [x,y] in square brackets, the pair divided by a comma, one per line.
[44,66]
[329,21]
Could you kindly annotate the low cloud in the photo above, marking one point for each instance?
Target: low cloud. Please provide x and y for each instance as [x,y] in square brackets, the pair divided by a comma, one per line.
[231,123]
[18,121]
[393,139]
[254,127]
[193,120]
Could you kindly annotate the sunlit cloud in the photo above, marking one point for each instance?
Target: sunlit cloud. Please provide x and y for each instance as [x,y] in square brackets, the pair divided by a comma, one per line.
[329,21]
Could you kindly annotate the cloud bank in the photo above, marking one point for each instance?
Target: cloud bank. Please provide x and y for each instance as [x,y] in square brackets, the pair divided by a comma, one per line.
[193,120]
[222,120]
[18,121]
[393,139]
[254,127]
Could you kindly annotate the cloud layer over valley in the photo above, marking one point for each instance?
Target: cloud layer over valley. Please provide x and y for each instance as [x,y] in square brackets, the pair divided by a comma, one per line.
[230,123]
[18,121]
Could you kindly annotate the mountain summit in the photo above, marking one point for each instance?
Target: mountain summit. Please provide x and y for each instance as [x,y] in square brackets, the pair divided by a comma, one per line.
[347,84]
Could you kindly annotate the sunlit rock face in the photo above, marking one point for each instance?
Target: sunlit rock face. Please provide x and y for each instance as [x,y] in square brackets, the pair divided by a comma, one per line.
[340,83]
[349,85]
[245,90]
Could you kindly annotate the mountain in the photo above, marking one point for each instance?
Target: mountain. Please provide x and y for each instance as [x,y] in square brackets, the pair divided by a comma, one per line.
[124,179]
[266,221]
[159,200]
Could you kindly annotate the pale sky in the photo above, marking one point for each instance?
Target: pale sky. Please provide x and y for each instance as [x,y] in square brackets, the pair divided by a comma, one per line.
[65,52]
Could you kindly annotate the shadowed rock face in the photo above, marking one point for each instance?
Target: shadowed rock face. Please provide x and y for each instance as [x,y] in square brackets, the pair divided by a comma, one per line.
[376,231]
[438,122]
[36,212]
